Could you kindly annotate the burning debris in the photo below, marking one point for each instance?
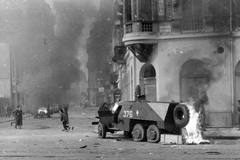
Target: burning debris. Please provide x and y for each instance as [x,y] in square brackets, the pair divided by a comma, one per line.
[193,132]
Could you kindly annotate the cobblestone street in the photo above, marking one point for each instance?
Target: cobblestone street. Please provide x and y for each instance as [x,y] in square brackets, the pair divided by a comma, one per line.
[42,138]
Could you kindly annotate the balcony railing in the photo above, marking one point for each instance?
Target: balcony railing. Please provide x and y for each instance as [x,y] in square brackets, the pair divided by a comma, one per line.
[192,25]
[181,26]
[146,27]
[119,52]
[129,28]
[113,77]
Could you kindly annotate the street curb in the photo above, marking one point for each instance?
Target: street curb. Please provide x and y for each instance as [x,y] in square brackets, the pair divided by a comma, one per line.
[222,133]
[10,120]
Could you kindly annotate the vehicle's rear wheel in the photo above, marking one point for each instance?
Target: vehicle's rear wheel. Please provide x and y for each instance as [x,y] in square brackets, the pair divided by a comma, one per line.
[138,133]
[153,134]
[181,115]
[102,130]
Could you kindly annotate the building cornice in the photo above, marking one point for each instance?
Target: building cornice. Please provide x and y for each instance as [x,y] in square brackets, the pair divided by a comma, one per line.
[129,39]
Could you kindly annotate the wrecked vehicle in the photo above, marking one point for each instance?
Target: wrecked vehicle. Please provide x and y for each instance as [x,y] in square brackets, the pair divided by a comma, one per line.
[43,112]
[142,120]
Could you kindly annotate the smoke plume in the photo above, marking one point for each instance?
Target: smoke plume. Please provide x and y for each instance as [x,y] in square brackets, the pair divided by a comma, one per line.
[48,44]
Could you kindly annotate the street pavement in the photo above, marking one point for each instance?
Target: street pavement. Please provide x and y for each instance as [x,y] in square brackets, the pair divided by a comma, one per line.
[210,133]
[42,139]
[4,119]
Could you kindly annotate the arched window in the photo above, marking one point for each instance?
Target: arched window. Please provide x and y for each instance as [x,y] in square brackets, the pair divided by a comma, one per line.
[149,72]
[148,82]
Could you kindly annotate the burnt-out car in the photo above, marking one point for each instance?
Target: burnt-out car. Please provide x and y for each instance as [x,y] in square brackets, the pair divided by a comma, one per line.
[43,112]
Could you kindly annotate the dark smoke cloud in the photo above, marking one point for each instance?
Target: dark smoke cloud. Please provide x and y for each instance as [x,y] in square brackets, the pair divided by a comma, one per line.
[45,40]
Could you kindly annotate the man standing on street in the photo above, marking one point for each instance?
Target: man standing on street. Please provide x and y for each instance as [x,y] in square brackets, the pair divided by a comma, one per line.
[64,118]
[17,113]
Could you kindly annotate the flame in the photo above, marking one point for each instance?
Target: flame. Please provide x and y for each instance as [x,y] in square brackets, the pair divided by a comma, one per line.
[193,131]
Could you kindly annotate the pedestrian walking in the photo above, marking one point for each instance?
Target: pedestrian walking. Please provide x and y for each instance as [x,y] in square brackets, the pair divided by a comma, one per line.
[64,118]
[238,112]
[17,113]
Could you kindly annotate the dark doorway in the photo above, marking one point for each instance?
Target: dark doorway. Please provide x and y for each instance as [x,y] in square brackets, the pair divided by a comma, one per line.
[148,82]
[194,80]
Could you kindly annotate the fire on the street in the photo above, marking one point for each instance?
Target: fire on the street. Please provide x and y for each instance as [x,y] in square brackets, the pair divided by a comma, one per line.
[193,130]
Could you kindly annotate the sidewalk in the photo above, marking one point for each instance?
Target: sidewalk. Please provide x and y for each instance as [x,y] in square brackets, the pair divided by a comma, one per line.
[4,119]
[222,133]
[214,133]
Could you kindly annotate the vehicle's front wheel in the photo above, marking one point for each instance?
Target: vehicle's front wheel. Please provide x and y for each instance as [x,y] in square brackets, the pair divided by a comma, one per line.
[138,133]
[102,130]
[153,134]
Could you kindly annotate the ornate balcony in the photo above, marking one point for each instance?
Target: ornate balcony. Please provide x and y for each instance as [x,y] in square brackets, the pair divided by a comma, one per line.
[144,30]
[113,77]
[119,52]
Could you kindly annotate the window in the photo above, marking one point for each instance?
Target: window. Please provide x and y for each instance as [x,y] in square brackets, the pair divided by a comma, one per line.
[146,9]
[191,8]
[173,9]
[149,72]
[127,11]
[161,9]
[176,9]
[141,10]
[236,14]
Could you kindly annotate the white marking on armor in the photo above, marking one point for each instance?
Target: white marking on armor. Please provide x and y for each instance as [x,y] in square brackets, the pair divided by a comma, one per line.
[160,108]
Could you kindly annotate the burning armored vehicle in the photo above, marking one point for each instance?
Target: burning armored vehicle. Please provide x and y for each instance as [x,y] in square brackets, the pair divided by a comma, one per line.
[143,120]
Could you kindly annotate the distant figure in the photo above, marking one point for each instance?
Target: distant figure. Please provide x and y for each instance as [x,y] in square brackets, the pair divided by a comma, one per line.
[9,111]
[17,113]
[238,112]
[64,118]
[48,111]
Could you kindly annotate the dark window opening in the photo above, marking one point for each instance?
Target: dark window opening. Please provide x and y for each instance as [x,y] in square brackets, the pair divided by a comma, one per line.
[149,72]
[146,9]
[140,10]
[127,10]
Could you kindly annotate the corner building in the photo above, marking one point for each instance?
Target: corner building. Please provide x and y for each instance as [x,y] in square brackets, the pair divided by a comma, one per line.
[183,50]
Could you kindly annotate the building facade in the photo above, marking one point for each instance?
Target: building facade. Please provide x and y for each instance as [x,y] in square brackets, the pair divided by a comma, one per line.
[182,50]
[5,77]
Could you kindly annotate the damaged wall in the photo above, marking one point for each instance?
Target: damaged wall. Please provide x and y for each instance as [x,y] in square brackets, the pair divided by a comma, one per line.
[215,54]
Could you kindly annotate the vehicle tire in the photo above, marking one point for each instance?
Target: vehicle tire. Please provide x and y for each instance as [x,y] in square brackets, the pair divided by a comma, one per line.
[153,134]
[181,115]
[102,130]
[138,133]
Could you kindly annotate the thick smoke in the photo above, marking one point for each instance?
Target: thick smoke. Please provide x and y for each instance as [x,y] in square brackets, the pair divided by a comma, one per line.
[46,42]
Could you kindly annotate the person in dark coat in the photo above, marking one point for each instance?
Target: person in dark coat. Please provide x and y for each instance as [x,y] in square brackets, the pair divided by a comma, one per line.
[17,113]
[64,118]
